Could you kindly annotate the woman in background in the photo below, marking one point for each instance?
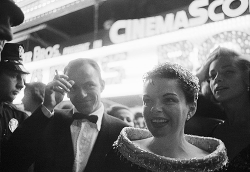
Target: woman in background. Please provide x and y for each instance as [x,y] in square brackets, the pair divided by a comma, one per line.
[170,94]
[227,73]
[121,112]
[139,121]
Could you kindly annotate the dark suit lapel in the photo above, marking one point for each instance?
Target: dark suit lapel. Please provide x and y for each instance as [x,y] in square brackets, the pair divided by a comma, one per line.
[100,148]
[64,147]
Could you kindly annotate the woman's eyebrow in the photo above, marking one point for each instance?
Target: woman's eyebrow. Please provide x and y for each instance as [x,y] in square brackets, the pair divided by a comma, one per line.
[169,94]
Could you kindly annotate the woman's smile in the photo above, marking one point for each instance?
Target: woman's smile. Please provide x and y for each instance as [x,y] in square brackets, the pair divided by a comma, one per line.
[159,122]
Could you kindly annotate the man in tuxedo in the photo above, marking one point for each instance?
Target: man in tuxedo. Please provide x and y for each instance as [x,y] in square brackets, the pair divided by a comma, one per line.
[67,140]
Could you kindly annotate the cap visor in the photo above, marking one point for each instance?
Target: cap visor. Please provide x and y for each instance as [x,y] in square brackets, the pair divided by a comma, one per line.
[16,14]
[21,69]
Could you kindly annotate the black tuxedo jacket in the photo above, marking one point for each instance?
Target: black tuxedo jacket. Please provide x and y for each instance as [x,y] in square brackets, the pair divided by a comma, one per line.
[47,142]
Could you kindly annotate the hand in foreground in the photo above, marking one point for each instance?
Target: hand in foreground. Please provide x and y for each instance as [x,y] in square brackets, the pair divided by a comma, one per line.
[55,91]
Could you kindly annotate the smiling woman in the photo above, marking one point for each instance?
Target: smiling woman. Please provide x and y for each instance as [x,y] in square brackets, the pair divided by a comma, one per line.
[170,95]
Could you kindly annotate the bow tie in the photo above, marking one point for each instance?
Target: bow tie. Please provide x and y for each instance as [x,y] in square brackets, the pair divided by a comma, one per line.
[91,118]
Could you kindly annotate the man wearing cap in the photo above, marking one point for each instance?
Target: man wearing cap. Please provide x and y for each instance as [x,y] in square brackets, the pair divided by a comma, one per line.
[12,75]
[12,72]
[10,16]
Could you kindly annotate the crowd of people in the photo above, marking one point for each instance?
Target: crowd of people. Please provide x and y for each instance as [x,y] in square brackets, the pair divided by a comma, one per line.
[188,122]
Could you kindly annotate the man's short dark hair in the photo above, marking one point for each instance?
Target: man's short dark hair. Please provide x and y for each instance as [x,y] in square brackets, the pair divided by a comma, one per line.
[77,63]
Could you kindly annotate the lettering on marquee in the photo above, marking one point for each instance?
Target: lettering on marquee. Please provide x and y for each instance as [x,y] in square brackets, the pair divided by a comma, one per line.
[41,53]
[199,10]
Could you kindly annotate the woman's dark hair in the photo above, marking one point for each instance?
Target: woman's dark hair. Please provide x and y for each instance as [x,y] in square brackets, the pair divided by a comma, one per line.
[222,52]
[187,81]
[138,115]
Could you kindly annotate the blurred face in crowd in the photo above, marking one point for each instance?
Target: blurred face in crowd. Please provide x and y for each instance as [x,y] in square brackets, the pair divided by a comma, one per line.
[139,123]
[27,100]
[125,115]
[164,107]
[226,80]
[85,94]
[10,85]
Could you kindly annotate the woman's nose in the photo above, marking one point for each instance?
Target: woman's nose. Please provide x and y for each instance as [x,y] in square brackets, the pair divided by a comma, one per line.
[156,108]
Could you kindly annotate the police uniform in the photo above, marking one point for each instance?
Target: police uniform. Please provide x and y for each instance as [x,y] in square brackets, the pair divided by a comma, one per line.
[10,116]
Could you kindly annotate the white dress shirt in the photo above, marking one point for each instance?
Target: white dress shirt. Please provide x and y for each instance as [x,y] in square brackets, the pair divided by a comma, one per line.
[84,135]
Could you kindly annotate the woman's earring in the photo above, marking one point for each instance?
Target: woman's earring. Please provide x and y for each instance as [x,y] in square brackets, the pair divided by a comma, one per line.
[188,116]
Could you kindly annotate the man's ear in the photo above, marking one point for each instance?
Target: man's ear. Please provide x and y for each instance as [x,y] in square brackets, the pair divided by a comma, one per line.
[102,85]
[192,108]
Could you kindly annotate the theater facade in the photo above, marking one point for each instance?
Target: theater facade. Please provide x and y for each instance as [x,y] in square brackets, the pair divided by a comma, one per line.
[126,47]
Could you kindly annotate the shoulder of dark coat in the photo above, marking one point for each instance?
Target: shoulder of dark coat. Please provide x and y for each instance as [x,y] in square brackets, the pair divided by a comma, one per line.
[62,112]
[13,107]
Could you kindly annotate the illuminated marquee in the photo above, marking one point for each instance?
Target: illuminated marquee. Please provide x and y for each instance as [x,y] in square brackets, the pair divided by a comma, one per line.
[200,11]
[42,53]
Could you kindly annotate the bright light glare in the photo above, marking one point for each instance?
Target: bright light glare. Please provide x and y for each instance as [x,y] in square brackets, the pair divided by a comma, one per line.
[175,54]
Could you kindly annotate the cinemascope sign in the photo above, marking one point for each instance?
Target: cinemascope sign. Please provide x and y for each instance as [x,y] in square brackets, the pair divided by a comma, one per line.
[198,12]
